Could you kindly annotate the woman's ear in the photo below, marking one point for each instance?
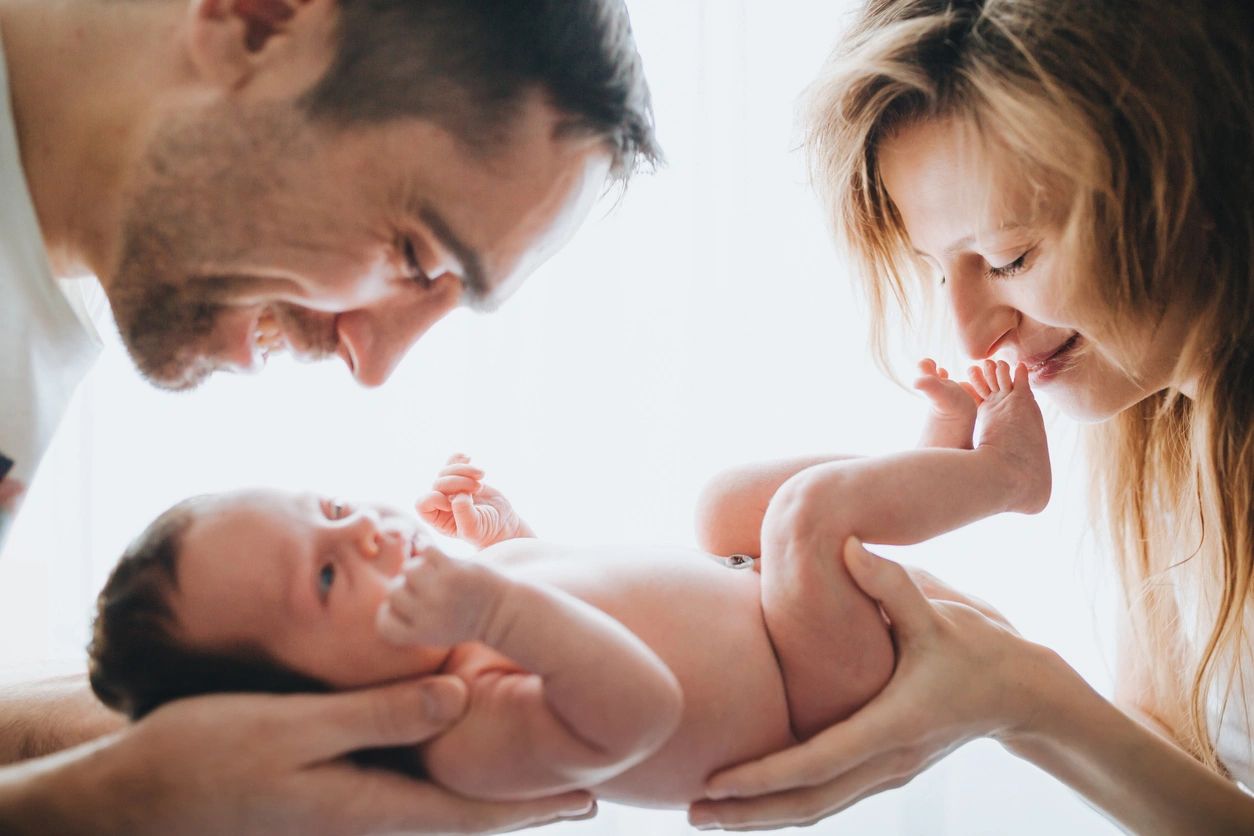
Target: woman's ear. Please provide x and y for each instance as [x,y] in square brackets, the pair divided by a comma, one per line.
[229,42]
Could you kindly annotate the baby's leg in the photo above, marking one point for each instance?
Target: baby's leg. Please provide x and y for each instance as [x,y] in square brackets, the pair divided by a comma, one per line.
[832,644]
[833,649]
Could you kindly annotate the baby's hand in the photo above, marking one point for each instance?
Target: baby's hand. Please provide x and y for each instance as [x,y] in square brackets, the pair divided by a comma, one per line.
[460,505]
[440,600]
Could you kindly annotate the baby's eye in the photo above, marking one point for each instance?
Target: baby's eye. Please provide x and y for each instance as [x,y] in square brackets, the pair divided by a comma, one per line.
[326,577]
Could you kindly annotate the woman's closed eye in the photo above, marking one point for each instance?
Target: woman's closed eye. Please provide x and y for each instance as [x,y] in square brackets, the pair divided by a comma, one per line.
[1011,269]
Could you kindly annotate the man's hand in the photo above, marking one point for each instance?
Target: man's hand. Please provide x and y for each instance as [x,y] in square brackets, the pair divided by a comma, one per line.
[440,600]
[460,505]
[262,764]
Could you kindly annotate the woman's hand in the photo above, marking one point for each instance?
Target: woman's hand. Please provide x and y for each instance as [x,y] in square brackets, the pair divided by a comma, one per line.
[962,673]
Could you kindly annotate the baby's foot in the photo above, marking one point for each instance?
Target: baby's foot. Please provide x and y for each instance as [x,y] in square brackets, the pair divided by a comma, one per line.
[1011,426]
[951,423]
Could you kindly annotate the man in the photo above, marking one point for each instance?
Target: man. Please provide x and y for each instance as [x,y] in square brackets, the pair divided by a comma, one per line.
[328,177]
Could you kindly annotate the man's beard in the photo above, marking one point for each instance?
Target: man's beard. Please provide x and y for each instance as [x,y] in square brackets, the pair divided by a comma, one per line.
[200,200]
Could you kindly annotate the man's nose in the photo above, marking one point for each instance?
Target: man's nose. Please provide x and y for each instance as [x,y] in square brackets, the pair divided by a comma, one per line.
[982,319]
[378,337]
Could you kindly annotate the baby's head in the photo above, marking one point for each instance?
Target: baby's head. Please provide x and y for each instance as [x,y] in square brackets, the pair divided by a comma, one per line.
[253,591]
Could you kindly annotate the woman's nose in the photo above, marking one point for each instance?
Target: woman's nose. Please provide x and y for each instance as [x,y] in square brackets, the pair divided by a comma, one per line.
[983,321]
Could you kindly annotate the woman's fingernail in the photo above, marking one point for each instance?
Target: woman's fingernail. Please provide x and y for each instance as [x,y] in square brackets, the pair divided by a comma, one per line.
[583,809]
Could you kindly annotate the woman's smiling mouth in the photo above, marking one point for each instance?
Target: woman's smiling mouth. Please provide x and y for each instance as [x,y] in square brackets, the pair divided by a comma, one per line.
[1044,367]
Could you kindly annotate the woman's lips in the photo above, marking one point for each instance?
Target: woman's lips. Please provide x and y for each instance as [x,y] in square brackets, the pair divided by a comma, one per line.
[1044,367]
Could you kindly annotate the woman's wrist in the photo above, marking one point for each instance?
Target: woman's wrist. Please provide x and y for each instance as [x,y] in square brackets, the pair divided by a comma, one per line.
[1050,695]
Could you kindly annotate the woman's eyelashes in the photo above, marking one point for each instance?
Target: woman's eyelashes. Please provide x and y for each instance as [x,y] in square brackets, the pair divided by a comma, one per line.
[1012,269]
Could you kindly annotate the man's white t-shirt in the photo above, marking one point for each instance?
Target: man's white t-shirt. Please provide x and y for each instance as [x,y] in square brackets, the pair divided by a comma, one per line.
[47,339]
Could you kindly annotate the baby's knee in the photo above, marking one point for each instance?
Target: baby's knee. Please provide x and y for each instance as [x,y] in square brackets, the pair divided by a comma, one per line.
[805,510]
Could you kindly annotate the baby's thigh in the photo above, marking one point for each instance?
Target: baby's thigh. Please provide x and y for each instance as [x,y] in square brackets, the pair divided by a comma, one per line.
[833,646]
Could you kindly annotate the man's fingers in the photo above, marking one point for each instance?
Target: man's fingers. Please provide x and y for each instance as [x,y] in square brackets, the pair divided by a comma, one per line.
[385,802]
[326,726]
[888,583]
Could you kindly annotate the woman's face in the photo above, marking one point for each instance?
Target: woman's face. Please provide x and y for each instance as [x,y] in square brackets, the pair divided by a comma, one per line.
[1005,278]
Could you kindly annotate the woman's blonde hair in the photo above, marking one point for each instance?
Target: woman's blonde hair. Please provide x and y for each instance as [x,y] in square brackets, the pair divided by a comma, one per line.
[1132,124]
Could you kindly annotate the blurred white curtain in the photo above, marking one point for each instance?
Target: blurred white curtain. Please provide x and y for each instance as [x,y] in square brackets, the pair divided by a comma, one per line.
[700,320]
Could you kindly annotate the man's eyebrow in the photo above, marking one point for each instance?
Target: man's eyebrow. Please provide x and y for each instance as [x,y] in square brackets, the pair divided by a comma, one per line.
[473,277]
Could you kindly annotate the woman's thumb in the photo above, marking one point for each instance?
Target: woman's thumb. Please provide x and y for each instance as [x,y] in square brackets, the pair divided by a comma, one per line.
[889,584]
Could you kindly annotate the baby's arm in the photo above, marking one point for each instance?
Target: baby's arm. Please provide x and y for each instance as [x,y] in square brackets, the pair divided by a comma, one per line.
[461,505]
[593,700]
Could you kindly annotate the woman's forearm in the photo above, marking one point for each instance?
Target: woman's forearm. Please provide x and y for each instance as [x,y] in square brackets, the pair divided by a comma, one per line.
[38,718]
[733,503]
[1136,777]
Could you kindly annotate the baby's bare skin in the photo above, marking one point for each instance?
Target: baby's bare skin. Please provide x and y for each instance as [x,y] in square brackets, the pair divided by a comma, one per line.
[705,622]
[762,660]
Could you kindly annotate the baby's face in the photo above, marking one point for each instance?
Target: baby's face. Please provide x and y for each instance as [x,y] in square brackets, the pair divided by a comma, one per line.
[302,577]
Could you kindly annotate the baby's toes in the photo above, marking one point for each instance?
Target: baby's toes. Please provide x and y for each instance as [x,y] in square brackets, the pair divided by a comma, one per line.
[927,366]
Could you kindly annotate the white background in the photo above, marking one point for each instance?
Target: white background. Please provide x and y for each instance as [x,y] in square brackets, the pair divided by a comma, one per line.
[700,320]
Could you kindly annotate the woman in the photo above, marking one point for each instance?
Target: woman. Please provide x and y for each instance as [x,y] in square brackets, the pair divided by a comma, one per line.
[1075,179]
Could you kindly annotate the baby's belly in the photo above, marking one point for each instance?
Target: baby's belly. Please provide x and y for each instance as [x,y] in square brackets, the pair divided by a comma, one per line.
[705,621]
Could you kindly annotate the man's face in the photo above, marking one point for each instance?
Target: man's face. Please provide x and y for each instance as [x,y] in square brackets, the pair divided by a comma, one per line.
[252,229]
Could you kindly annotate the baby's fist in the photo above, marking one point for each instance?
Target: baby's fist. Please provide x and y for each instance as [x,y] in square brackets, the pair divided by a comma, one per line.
[439,600]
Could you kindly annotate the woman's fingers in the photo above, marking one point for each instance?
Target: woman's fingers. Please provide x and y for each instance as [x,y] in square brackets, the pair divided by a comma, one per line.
[833,751]
[806,805]
[888,583]
[936,590]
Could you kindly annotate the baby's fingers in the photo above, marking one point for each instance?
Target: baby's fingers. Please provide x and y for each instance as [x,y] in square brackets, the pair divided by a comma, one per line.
[393,626]
[462,469]
[451,485]
[464,515]
[433,503]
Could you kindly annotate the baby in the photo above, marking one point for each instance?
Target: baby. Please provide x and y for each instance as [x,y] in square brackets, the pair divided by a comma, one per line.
[634,673]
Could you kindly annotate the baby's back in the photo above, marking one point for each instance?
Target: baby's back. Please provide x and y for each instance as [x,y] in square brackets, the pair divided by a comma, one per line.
[705,622]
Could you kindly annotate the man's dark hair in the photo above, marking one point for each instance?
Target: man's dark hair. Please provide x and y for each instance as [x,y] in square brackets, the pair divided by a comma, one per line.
[137,662]
[469,65]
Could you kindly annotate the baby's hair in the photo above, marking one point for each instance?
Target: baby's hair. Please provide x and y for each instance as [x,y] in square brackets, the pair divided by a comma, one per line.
[137,661]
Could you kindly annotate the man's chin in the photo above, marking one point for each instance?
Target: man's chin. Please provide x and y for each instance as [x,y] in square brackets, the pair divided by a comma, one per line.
[170,377]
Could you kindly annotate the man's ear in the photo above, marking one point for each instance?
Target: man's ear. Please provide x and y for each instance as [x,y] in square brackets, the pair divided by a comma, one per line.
[229,41]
